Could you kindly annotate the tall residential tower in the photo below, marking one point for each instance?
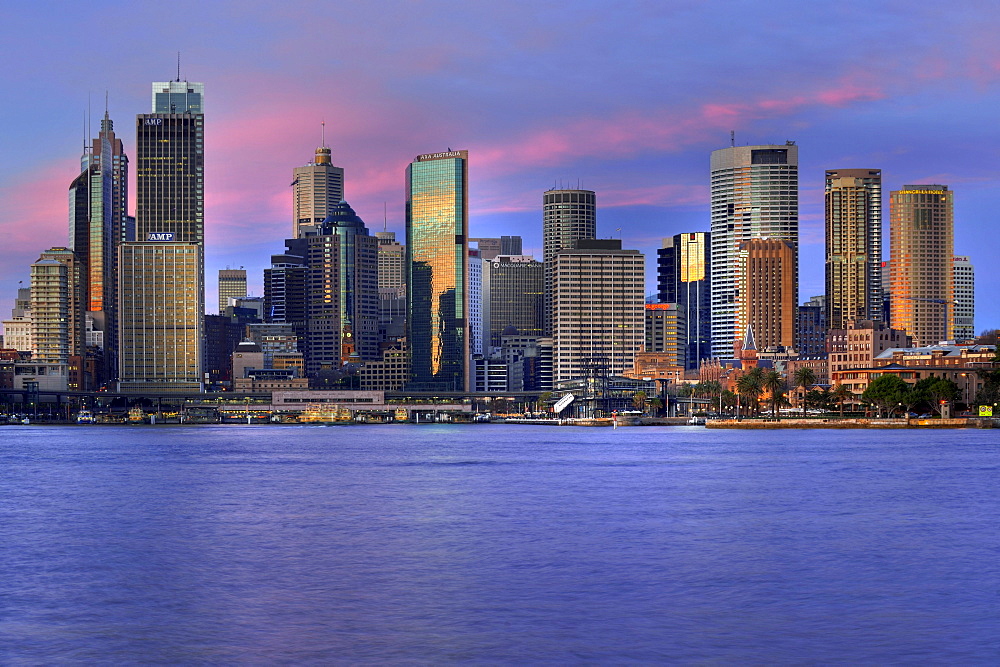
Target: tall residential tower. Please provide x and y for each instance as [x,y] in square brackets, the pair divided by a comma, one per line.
[853,246]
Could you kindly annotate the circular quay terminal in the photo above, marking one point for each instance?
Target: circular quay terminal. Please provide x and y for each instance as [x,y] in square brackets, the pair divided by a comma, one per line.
[444,333]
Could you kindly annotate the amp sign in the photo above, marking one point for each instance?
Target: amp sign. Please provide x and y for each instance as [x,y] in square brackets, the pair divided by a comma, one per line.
[160,236]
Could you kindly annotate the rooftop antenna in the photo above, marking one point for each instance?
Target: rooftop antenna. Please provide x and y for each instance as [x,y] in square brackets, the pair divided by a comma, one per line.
[732,138]
[178,65]
[323,132]
[385,217]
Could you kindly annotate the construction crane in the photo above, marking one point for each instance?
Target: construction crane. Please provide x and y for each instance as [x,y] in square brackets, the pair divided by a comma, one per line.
[944,308]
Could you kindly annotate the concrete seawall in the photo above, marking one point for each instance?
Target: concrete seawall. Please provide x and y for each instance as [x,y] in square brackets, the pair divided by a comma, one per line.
[853,423]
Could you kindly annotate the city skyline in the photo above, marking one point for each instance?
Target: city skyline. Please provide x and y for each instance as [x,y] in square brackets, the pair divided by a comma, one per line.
[519,95]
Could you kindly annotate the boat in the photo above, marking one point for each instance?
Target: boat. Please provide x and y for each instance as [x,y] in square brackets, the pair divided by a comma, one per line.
[697,421]
[85,417]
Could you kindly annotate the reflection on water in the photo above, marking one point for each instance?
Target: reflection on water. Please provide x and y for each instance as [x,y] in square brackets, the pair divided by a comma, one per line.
[496,544]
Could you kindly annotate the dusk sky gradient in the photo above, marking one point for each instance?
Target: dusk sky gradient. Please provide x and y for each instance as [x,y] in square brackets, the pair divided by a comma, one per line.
[626,98]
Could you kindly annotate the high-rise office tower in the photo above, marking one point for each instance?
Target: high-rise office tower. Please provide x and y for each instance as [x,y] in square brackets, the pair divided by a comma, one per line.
[810,334]
[665,333]
[475,298]
[567,216]
[162,274]
[491,247]
[391,286]
[316,189]
[684,273]
[437,226]
[98,218]
[921,235]
[285,287]
[343,285]
[964,281]
[767,289]
[161,317]
[599,315]
[755,194]
[232,285]
[853,246]
[513,291]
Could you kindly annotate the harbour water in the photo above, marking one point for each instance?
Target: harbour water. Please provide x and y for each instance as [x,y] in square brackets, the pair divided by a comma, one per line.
[497,544]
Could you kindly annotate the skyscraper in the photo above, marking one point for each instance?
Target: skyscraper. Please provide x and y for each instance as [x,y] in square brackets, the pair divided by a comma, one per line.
[853,246]
[391,286]
[316,188]
[685,279]
[232,285]
[98,217]
[161,316]
[341,244]
[921,227]
[513,290]
[162,274]
[965,298]
[755,194]
[767,289]
[437,226]
[599,315]
[567,216]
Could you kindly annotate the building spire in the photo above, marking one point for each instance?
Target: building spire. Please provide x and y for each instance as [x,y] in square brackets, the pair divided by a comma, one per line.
[323,133]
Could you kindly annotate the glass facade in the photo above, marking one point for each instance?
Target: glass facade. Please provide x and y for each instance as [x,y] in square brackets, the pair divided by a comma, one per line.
[437,224]
[178,97]
[684,276]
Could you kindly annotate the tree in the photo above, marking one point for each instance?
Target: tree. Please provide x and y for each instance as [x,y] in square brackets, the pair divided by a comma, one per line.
[639,400]
[804,378]
[841,393]
[936,392]
[886,392]
[773,384]
[750,385]
[990,393]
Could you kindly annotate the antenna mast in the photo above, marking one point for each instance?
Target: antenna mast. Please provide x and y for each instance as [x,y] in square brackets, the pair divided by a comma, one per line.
[732,138]
[178,65]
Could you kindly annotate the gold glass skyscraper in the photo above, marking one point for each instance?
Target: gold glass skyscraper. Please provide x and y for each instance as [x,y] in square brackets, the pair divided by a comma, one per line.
[922,228]
[437,226]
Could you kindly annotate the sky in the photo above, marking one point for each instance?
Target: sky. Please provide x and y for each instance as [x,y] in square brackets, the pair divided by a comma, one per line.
[626,98]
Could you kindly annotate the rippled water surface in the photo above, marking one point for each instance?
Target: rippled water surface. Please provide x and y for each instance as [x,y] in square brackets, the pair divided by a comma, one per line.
[497,544]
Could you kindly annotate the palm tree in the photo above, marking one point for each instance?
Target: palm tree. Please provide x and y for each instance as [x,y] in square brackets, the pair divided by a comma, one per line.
[751,385]
[840,394]
[804,378]
[639,401]
[713,388]
[773,383]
